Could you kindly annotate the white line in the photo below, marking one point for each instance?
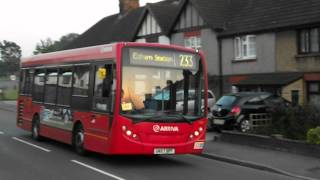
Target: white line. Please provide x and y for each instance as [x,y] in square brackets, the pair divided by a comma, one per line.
[30,144]
[97,170]
[1,132]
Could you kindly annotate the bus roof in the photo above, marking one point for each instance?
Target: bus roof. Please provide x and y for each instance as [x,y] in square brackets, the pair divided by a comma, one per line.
[87,53]
[73,55]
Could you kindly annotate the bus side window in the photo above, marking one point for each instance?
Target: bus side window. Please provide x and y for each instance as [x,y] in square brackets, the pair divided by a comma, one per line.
[80,87]
[22,81]
[81,81]
[64,86]
[51,86]
[102,96]
[38,85]
[28,82]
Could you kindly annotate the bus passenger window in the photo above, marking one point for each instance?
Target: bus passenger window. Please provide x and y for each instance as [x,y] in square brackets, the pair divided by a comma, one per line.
[81,80]
[22,81]
[51,86]
[64,86]
[28,82]
[38,85]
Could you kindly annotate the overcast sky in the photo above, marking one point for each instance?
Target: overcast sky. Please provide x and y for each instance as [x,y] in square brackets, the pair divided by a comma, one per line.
[27,21]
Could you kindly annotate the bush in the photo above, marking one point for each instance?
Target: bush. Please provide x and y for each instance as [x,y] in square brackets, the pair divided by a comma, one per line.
[313,136]
[292,122]
[11,94]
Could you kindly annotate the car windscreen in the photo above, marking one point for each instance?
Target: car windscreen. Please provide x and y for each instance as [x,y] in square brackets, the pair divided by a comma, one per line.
[226,101]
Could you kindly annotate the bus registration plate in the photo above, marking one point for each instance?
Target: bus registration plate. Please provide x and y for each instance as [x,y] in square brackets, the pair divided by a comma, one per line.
[164,151]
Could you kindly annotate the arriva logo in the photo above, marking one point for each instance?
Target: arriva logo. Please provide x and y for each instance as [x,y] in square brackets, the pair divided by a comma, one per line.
[157,128]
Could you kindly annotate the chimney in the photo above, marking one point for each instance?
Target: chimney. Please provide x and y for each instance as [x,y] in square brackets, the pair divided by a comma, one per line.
[126,6]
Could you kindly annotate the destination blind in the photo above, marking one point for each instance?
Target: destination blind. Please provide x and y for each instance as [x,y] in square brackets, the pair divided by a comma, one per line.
[163,58]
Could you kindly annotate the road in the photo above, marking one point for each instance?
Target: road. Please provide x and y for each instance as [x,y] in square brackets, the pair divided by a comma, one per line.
[23,158]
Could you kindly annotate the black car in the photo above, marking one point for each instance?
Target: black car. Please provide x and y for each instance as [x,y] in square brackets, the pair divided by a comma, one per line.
[233,110]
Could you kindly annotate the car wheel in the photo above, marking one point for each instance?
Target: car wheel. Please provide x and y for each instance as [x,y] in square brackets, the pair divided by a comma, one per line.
[78,140]
[245,125]
[35,132]
[209,125]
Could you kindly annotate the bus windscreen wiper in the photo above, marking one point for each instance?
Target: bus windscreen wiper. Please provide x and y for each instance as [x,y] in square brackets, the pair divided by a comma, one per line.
[164,118]
[180,116]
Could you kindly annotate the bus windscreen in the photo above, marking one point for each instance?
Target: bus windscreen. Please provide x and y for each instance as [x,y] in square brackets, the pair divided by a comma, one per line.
[161,83]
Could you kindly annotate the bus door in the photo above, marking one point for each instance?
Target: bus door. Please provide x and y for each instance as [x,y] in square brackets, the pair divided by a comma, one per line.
[103,96]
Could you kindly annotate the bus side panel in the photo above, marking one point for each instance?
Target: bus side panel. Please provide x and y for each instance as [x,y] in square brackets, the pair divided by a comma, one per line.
[56,134]
[96,130]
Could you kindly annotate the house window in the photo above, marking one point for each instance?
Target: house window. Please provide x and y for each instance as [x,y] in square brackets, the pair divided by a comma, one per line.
[309,41]
[314,93]
[245,47]
[192,42]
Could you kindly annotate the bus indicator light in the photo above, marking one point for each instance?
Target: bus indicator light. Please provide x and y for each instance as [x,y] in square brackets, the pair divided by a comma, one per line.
[124,128]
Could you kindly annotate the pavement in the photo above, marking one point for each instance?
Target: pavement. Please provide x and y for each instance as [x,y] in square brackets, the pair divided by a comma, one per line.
[294,165]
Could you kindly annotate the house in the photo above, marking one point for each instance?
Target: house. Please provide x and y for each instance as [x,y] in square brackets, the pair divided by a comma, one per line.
[271,45]
[250,45]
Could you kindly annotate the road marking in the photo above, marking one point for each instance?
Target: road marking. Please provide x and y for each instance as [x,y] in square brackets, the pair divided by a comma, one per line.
[30,144]
[97,170]
[1,132]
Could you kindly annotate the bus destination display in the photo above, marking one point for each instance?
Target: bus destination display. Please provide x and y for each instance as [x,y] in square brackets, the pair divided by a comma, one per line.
[163,58]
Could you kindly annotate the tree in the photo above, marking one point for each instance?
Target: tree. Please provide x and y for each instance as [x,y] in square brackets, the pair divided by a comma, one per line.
[49,45]
[45,46]
[10,56]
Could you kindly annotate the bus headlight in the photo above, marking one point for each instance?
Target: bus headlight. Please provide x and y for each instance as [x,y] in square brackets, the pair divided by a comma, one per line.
[129,133]
[196,133]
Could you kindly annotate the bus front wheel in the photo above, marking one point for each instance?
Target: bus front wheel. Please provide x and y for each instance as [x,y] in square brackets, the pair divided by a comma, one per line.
[78,140]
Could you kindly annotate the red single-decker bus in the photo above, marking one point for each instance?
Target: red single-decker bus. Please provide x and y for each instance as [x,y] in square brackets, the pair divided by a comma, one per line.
[121,98]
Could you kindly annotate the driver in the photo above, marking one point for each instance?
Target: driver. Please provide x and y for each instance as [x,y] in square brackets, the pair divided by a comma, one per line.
[131,100]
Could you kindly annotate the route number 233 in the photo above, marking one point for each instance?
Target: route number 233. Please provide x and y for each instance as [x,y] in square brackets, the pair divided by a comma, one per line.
[186,61]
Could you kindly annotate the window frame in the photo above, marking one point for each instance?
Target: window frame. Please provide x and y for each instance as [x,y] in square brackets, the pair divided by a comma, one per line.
[307,41]
[194,42]
[239,47]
